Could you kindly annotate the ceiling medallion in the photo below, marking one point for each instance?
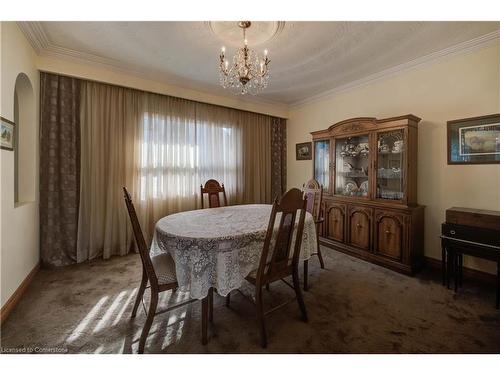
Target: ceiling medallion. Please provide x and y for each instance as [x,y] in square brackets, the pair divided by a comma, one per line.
[248,73]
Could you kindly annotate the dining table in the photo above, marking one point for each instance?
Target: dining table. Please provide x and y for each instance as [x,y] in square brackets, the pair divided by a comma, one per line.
[218,247]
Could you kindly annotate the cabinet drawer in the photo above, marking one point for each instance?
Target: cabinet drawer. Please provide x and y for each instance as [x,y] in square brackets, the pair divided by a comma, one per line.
[389,234]
[359,223]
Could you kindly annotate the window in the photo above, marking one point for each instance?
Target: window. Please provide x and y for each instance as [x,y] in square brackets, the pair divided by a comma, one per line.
[177,155]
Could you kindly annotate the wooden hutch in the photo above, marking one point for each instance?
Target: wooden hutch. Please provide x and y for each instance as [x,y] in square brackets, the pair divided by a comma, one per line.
[368,169]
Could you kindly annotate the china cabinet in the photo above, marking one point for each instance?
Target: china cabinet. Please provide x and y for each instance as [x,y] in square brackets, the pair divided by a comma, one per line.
[368,169]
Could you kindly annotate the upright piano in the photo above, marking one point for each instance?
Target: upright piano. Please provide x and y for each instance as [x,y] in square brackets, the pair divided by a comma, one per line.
[472,232]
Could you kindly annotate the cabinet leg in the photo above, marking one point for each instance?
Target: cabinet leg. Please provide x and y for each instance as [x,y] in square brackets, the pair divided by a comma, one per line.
[448,267]
[443,264]
[498,284]
[461,269]
[456,270]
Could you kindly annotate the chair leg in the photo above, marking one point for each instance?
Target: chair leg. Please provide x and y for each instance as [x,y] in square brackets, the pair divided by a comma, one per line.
[306,275]
[140,293]
[228,299]
[149,321]
[321,262]
[298,293]
[204,321]
[211,305]
[260,317]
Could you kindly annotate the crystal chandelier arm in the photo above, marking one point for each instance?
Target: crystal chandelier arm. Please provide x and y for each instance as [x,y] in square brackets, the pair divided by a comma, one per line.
[264,69]
[223,64]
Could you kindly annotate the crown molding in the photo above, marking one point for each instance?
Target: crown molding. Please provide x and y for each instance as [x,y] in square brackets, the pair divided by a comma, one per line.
[40,42]
[456,49]
[34,32]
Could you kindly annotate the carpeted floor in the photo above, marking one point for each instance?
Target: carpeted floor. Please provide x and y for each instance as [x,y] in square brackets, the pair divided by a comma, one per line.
[353,307]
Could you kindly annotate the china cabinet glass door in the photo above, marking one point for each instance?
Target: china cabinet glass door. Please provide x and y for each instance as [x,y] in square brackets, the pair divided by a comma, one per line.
[352,166]
[390,165]
[322,163]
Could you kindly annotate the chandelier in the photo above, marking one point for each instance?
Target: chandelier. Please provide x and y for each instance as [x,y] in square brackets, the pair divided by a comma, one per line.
[248,73]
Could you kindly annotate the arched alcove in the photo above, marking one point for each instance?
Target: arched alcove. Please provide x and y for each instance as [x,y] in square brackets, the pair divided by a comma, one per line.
[25,140]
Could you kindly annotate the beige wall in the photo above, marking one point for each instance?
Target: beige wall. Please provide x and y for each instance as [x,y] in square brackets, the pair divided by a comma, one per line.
[19,222]
[119,77]
[459,86]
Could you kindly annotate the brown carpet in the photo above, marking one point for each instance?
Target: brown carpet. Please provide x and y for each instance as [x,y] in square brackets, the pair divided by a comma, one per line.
[353,307]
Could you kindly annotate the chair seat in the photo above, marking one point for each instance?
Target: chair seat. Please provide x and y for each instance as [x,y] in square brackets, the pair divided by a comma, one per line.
[252,276]
[164,268]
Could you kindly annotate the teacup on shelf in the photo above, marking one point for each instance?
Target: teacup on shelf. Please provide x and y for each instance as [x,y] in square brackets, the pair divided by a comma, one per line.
[398,146]
[383,147]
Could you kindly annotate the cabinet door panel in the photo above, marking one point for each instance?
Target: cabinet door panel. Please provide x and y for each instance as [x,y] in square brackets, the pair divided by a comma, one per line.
[390,234]
[359,227]
[335,222]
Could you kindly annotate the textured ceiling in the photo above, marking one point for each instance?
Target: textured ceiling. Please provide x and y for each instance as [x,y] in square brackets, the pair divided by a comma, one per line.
[307,58]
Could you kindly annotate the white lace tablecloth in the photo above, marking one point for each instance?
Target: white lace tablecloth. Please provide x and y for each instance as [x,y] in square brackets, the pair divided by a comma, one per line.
[219,247]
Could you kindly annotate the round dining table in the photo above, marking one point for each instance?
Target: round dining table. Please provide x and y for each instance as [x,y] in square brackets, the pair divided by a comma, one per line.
[218,247]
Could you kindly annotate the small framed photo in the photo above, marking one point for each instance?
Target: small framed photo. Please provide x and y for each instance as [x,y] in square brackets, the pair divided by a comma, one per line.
[474,140]
[303,151]
[7,134]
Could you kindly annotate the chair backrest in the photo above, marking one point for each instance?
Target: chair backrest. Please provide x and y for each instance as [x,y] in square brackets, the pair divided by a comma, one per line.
[279,264]
[213,189]
[314,193]
[139,239]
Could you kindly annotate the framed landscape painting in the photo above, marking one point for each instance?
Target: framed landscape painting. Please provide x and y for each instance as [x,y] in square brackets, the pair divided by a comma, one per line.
[6,134]
[303,151]
[474,140]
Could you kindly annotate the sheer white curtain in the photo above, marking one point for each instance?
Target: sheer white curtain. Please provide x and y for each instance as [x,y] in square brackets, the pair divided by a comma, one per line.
[162,149]
[182,144]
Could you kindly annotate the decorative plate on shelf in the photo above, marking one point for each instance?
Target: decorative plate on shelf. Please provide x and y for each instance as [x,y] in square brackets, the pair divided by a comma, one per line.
[350,188]
[363,188]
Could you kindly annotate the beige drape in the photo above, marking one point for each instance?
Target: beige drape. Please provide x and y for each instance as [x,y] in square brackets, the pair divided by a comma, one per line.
[162,148]
[109,117]
[256,134]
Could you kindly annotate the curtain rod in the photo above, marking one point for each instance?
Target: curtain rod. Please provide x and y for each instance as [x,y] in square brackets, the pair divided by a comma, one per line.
[155,93]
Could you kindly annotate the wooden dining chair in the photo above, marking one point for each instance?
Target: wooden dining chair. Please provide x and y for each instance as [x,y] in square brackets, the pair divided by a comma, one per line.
[314,193]
[279,260]
[213,189]
[158,270]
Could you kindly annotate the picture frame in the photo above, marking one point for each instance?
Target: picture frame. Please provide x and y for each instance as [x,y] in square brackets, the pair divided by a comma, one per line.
[474,140]
[7,134]
[303,151]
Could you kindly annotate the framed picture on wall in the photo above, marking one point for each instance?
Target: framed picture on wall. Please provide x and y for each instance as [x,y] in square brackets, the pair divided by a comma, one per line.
[474,140]
[6,134]
[303,151]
